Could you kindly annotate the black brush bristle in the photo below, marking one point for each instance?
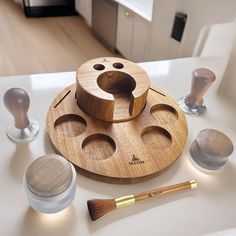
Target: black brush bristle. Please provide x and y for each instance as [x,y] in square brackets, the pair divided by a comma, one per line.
[99,207]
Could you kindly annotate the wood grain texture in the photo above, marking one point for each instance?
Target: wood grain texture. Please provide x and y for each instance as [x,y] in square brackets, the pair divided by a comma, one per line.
[49,175]
[43,45]
[202,79]
[165,190]
[17,102]
[120,152]
[111,89]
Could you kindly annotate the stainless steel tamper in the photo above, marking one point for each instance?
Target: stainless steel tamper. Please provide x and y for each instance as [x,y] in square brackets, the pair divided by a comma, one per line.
[23,129]
[202,79]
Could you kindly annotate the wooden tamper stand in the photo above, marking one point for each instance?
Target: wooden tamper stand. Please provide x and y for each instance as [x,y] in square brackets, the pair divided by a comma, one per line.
[211,149]
[193,103]
[50,183]
[17,102]
[113,126]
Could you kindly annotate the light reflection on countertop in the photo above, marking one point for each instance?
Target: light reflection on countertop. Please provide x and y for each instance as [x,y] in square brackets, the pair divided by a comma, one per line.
[55,218]
[57,224]
[47,81]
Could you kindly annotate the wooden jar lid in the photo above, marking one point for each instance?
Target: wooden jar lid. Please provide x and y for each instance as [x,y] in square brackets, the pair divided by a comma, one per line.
[49,175]
[214,143]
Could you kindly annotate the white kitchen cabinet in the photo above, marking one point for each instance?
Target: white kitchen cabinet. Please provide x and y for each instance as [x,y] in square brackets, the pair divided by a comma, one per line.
[140,37]
[124,35]
[84,8]
[132,34]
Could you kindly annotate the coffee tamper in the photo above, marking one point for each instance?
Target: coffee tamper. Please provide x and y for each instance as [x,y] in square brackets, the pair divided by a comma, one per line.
[24,129]
[202,79]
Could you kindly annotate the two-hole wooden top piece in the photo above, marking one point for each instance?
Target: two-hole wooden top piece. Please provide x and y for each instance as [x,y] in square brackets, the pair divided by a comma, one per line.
[113,126]
[111,89]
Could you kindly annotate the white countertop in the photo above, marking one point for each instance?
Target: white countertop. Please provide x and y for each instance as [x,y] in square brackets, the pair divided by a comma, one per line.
[209,209]
[143,8]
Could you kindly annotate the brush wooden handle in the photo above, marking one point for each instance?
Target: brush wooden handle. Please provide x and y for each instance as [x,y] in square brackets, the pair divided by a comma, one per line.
[192,184]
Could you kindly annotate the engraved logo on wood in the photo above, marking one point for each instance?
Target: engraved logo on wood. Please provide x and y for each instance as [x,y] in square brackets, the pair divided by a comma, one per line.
[135,161]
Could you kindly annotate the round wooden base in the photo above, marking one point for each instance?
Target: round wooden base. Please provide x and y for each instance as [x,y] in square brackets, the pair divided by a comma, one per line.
[120,152]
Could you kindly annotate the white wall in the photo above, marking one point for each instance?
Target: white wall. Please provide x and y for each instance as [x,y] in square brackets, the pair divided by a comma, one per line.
[228,85]
[160,44]
[204,12]
[200,13]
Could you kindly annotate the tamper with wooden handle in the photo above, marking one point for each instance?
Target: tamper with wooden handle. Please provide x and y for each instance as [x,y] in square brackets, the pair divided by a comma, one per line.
[24,129]
[193,103]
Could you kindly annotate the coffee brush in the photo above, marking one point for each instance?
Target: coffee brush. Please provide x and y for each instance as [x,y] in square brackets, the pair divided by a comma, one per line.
[99,207]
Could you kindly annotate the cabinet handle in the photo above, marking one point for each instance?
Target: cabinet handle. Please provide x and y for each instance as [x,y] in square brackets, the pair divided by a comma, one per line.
[128,13]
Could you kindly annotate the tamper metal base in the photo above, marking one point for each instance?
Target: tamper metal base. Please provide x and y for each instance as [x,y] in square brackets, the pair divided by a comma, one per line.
[195,110]
[23,135]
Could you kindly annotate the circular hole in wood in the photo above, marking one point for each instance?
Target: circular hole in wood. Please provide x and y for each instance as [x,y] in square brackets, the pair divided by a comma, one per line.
[116,82]
[155,137]
[165,114]
[98,146]
[118,65]
[99,67]
[70,125]
[120,85]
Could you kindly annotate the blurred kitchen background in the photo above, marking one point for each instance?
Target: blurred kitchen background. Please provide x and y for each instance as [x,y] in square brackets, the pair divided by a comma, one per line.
[41,36]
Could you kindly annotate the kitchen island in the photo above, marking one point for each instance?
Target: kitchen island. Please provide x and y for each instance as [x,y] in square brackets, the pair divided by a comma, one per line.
[209,209]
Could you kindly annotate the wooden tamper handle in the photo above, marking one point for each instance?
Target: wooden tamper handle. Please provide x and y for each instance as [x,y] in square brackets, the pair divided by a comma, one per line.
[202,79]
[17,102]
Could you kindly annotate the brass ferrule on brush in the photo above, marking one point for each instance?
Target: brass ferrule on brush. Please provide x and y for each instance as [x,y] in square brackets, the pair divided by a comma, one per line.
[125,201]
[193,184]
